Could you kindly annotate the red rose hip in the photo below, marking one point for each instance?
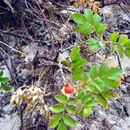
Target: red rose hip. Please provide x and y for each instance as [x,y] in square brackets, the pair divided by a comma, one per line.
[69,89]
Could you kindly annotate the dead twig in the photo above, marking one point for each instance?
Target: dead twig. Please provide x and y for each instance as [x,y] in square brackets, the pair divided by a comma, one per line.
[10,69]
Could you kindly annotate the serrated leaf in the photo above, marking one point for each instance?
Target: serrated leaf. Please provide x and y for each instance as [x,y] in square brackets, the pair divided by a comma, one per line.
[61,98]
[93,47]
[79,76]
[54,121]
[80,94]
[74,55]
[103,69]
[87,111]
[69,121]
[57,108]
[1,73]
[107,94]
[84,76]
[120,50]
[96,21]
[84,29]
[78,107]
[70,109]
[4,79]
[101,100]
[92,41]
[61,126]
[88,15]
[91,103]
[78,70]
[92,87]
[114,37]
[5,87]
[78,18]
[86,98]
[127,44]
[110,83]
[123,39]
[101,44]
[127,52]
[101,28]
[76,76]
[79,63]
[99,84]
[114,73]
[93,71]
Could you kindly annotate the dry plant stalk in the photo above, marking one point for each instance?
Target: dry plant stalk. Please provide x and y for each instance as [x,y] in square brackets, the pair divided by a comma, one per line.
[32,96]
[91,4]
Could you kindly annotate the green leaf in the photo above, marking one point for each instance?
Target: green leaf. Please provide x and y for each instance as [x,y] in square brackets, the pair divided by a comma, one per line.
[103,69]
[74,55]
[114,73]
[87,111]
[93,47]
[127,44]
[54,121]
[61,126]
[76,76]
[84,76]
[78,107]
[1,73]
[92,41]
[70,109]
[91,103]
[4,79]
[96,21]
[114,37]
[69,121]
[101,28]
[5,87]
[115,96]
[93,71]
[78,70]
[110,83]
[61,98]
[99,84]
[113,47]
[101,44]
[84,29]
[80,94]
[120,50]
[79,76]
[88,15]
[78,18]
[79,63]
[127,52]
[86,98]
[123,39]
[107,94]
[57,108]
[101,100]
[92,87]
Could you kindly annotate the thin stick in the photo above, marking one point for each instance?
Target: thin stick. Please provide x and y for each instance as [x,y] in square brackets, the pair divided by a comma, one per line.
[23,54]
[118,58]
[49,30]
